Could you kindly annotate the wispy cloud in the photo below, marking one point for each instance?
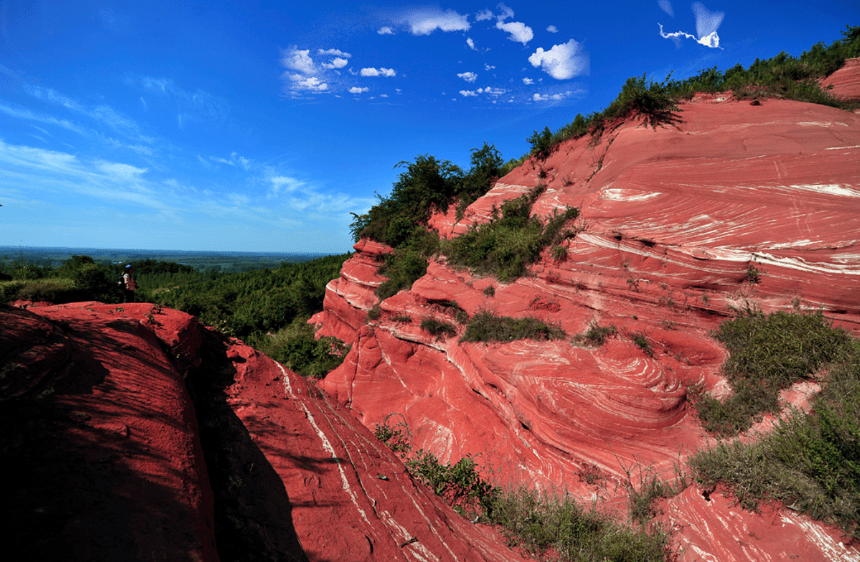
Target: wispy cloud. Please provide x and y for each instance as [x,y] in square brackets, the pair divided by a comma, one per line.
[484,15]
[562,61]
[666,6]
[234,160]
[707,23]
[528,81]
[301,71]
[102,113]
[471,44]
[552,29]
[424,21]
[385,31]
[26,114]
[358,90]
[197,103]
[468,93]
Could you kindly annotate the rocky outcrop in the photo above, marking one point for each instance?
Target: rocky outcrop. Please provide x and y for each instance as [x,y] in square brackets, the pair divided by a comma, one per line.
[733,205]
[109,460]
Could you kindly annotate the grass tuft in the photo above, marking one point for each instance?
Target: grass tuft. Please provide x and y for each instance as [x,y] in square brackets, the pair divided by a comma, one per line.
[768,353]
[595,335]
[438,328]
[486,326]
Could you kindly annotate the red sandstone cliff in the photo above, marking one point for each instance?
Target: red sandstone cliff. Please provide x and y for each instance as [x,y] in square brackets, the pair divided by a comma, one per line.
[107,457]
[670,221]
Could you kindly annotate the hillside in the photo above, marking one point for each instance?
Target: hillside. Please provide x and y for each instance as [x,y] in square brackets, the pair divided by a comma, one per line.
[736,206]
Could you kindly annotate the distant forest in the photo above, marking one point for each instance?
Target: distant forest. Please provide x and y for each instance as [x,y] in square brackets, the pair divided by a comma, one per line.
[268,307]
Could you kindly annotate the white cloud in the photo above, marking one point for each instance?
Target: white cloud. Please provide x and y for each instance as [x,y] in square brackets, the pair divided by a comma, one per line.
[310,83]
[528,81]
[383,95]
[425,21]
[491,91]
[298,60]
[666,6]
[487,67]
[552,29]
[336,63]
[707,23]
[484,15]
[553,97]
[357,90]
[385,31]
[335,53]
[468,93]
[468,76]
[562,61]
[389,72]
[520,32]
[471,43]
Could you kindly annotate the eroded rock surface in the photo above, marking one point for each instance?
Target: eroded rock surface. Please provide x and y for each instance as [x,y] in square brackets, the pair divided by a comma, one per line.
[732,206]
[108,460]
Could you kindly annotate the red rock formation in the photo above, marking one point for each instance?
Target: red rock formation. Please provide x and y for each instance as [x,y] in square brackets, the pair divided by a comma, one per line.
[845,82]
[101,455]
[673,225]
[108,464]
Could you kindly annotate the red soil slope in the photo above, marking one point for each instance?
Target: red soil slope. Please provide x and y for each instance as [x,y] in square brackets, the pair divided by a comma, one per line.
[671,221]
[108,463]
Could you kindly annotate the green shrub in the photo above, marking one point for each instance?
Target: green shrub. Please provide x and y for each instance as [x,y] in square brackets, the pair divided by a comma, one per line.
[541,143]
[489,291]
[810,461]
[396,435]
[461,485]
[438,328]
[641,342]
[768,353]
[402,268]
[510,242]
[486,326]
[296,349]
[53,290]
[540,521]
[596,334]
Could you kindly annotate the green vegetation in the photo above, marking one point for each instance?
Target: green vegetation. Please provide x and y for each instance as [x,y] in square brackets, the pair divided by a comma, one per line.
[811,462]
[400,220]
[509,243]
[595,335]
[295,347]
[641,342]
[486,326]
[267,307]
[540,521]
[426,186]
[537,521]
[441,330]
[768,353]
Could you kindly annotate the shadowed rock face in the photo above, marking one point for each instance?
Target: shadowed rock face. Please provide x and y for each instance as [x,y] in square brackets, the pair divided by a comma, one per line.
[671,221]
[109,457]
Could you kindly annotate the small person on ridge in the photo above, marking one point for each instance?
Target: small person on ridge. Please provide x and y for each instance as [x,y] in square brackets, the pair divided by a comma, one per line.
[128,285]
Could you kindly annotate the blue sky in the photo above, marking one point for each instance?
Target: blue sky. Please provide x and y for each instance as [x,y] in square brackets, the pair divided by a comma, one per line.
[259,126]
